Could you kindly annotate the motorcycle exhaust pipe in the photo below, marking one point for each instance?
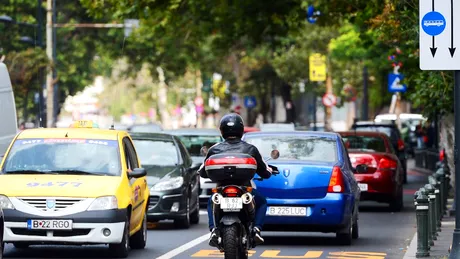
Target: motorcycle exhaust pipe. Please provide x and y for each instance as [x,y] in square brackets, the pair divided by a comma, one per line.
[216,198]
[247,198]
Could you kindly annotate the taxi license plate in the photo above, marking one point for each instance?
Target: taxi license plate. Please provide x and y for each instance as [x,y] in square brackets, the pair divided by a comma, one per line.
[363,186]
[231,204]
[49,224]
[287,211]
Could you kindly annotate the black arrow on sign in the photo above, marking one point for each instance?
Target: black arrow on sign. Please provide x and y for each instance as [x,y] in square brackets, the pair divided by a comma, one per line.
[452,49]
[433,48]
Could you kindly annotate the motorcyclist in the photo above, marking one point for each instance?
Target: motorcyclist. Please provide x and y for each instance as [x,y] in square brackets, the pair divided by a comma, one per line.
[232,128]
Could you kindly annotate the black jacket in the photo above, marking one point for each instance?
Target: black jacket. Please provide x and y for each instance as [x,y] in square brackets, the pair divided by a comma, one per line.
[237,146]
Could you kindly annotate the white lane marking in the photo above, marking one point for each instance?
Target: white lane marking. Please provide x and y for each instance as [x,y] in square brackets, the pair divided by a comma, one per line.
[203,212]
[184,247]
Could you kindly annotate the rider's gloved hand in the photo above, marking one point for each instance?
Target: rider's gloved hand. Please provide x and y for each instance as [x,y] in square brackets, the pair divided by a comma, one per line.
[270,169]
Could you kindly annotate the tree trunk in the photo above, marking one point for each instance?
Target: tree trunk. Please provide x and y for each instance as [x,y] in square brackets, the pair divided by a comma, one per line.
[447,142]
[163,99]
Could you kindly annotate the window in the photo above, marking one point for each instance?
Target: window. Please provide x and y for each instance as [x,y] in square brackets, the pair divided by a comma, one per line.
[157,152]
[54,155]
[365,143]
[132,153]
[193,144]
[303,148]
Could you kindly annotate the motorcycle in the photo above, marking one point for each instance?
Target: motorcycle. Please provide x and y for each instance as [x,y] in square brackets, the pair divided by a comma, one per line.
[233,204]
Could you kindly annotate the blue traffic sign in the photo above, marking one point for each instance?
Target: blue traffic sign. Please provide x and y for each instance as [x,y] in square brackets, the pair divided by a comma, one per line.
[394,83]
[250,102]
[433,23]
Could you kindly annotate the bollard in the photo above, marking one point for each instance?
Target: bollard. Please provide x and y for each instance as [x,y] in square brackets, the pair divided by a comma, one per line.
[431,212]
[441,178]
[437,203]
[421,210]
[440,186]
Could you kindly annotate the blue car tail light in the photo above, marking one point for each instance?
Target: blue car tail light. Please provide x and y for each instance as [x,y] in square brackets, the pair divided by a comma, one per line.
[336,184]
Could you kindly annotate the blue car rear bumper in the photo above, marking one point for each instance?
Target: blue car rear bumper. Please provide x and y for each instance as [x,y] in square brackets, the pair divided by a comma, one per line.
[327,214]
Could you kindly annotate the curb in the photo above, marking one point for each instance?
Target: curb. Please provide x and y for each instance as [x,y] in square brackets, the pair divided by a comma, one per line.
[410,252]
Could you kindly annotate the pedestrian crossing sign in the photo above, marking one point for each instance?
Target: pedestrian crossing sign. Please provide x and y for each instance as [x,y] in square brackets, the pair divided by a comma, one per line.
[394,83]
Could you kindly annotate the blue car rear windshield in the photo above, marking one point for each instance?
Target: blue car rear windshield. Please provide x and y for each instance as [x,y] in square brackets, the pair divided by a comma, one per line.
[302,148]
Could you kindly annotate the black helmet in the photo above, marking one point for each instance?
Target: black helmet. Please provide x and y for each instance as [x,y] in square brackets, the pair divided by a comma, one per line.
[231,125]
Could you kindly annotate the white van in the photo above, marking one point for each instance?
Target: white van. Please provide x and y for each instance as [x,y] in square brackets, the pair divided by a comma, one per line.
[8,117]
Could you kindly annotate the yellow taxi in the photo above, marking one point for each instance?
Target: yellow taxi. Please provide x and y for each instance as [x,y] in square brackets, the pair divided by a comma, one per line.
[77,185]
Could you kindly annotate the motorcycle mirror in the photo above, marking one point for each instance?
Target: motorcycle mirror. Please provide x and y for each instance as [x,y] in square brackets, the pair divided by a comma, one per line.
[275,154]
[204,151]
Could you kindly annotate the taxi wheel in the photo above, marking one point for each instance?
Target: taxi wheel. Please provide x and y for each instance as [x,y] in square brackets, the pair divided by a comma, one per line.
[139,240]
[121,250]
[185,221]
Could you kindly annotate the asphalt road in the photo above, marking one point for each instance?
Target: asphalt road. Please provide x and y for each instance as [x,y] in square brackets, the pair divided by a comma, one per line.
[383,234]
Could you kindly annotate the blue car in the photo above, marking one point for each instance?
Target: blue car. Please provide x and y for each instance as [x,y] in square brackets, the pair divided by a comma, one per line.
[316,190]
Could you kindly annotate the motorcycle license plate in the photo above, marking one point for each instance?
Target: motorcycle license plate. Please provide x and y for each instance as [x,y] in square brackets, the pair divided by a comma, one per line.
[231,204]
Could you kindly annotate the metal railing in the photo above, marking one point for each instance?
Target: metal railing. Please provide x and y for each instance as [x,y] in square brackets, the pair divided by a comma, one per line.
[426,158]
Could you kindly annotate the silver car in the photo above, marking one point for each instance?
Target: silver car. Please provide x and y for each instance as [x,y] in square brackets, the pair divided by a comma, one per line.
[194,139]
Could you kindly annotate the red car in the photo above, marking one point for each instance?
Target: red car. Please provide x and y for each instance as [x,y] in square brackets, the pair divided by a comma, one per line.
[378,171]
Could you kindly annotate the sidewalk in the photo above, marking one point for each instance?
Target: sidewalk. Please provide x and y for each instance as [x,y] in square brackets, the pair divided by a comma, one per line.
[442,245]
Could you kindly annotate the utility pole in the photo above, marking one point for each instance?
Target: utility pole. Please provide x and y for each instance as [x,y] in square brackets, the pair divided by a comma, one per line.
[41,72]
[49,76]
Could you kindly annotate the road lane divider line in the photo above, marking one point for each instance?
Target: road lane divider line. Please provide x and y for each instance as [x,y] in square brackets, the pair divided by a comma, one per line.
[275,254]
[185,247]
[203,212]
[367,255]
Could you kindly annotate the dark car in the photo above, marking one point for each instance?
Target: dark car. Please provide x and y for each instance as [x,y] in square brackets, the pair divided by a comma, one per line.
[145,128]
[392,131]
[172,178]
[2,245]
[380,174]
[193,140]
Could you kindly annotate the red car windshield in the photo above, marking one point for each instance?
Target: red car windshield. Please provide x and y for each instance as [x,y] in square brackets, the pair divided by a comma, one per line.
[365,143]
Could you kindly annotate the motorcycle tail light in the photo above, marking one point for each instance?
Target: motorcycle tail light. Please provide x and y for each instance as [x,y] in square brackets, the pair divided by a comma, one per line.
[231,191]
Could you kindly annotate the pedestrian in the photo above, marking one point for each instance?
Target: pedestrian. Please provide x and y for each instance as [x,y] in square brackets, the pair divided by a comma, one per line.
[419,133]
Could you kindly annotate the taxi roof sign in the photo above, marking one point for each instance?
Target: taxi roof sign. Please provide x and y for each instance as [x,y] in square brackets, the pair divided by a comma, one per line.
[84,124]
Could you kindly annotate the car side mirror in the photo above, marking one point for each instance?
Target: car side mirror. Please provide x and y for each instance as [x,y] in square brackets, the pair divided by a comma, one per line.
[138,173]
[194,167]
[275,154]
[204,151]
[361,169]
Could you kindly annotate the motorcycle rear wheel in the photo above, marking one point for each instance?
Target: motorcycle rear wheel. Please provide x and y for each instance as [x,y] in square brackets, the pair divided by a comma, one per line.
[232,243]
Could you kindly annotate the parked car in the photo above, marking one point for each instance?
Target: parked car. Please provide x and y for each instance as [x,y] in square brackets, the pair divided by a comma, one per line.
[171,177]
[194,140]
[392,131]
[316,190]
[409,122]
[145,128]
[379,172]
